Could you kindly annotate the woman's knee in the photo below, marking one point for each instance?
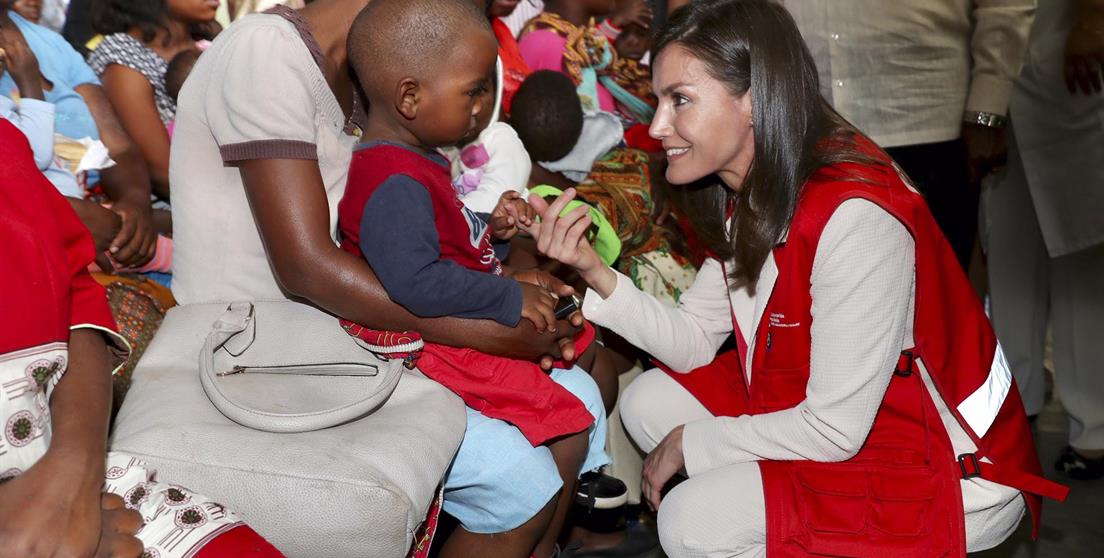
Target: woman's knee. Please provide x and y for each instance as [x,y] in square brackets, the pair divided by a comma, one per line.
[639,404]
[716,514]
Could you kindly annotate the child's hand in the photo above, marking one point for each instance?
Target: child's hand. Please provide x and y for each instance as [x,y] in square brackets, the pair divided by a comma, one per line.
[538,305]
[511,215]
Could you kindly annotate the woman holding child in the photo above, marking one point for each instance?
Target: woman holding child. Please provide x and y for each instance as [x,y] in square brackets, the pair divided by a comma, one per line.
[888,424]
[265,133]
[141,39]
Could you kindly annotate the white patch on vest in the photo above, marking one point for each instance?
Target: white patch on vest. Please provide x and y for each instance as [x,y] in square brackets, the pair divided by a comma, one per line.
[980,409]
[476,228]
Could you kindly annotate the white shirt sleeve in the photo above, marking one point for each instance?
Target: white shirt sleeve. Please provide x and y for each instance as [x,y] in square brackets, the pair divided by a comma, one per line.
[685,337]
[861,286]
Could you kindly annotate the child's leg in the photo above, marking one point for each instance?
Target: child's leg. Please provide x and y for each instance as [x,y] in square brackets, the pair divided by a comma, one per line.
[514,543]
[605,365]
[568,452]
[501,489]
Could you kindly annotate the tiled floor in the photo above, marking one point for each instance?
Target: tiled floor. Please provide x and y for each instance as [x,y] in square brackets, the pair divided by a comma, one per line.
[1074,529]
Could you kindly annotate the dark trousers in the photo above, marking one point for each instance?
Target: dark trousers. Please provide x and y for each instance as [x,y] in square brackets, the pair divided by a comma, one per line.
[941,172]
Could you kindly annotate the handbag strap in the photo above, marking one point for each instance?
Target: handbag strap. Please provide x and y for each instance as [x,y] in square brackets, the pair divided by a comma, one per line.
[235,320]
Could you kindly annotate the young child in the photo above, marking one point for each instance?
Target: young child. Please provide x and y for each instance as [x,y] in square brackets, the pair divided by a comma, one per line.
[426,68]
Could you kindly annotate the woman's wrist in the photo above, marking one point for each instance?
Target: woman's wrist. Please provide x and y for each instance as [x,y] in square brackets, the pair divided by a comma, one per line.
[602,279]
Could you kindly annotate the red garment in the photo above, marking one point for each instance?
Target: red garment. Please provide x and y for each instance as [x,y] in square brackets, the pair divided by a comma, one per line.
[46,252]
[900,495]
[515,391]
[514,68]
[637,137]
[48,290]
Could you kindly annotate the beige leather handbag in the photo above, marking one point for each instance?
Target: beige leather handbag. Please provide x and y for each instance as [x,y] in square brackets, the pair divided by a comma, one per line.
[285,366]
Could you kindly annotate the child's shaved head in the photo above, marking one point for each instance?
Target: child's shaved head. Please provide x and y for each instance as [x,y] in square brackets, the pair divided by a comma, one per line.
[392,39]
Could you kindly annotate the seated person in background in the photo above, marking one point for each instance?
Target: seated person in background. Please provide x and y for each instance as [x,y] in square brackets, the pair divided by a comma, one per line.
[36,119]
[82,110]
[434,256]
[564,38]
[61,493]
[139,40]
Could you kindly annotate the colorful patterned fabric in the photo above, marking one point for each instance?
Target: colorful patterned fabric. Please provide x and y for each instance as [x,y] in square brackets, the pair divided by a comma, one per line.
[620,184]
[139,306]
[589,58]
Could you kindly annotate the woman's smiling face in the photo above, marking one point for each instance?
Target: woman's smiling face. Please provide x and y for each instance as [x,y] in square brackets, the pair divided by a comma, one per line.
[704,127]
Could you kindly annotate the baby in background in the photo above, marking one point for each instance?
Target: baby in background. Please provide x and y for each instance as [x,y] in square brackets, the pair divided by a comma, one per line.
[428,68]
[178,70]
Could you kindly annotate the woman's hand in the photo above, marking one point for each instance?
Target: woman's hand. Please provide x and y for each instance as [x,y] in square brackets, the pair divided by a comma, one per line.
[136,242]
[53,497]
[561,238]
[662,464]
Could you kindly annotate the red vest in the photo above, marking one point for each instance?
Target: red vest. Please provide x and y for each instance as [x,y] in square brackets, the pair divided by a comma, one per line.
[900,494]
[464,237]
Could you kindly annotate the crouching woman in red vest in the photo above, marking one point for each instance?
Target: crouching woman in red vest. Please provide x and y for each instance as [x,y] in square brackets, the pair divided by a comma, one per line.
[866,409]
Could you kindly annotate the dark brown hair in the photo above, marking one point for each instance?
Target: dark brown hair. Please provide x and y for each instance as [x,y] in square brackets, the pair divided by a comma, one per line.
[753,46]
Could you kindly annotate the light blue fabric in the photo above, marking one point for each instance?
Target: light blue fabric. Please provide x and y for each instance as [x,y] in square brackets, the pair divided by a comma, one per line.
[64,68]
[498,480]
[36,120]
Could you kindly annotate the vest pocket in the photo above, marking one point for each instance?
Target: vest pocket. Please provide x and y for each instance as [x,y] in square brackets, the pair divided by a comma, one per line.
[773,388]
[866,510]
[901,501]
[834,501]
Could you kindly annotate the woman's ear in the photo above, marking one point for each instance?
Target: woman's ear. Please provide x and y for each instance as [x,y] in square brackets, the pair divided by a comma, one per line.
[407,94]
[743,105]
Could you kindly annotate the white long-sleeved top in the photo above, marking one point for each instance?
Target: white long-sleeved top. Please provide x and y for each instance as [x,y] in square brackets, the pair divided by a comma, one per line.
[863,296]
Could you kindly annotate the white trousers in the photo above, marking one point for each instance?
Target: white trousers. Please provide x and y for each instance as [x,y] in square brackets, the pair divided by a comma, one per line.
[1026,287]
[716,514]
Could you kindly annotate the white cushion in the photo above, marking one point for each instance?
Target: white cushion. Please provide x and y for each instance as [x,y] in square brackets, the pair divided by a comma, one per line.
[360,489]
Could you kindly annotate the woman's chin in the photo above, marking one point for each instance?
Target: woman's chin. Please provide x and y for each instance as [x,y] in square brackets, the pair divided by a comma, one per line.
[679,177]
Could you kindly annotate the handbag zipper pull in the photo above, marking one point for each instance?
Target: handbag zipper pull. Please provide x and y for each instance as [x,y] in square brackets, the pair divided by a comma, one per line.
[237,369]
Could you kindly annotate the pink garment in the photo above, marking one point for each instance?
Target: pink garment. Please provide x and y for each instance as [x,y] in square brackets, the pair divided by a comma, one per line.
[543,50]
